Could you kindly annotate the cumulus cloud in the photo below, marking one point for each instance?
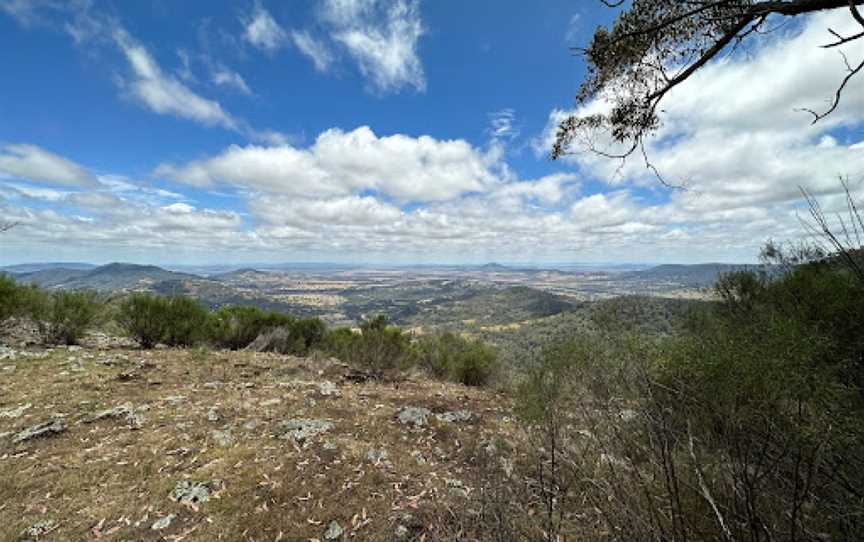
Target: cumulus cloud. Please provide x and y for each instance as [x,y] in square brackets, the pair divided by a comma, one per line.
[342,163]
[736,137]
[36,164]
[382,38]
[314,48]
[262,31]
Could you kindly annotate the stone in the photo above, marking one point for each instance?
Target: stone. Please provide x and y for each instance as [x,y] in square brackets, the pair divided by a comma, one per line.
[38,529]
[456,487]
[223,438]
[415,416]
[334,531]
[301,429]
[163,523]
[191,493]
[401,532]
[627,415]
[378,456]
[328,389]
[127,411]
[44,429]
[15,412]
[213,415]
[455,416]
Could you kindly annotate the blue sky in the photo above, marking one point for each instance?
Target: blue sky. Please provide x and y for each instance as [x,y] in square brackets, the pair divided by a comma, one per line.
[395,132]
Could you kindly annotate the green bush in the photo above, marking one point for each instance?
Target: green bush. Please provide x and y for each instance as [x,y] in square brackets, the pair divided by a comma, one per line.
[144,318]
[17,299]
[186,321]
[64,316]
[235,327]
[469,362]
[378,347]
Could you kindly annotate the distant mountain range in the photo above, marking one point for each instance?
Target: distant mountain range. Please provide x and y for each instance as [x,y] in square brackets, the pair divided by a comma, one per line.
[114,276]
[698,275]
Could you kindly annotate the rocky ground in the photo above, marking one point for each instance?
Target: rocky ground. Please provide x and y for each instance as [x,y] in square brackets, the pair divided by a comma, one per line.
[111,443]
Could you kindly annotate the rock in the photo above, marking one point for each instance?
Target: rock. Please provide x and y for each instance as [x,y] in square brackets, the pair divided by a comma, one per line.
[15,412]
[401,532]
[45,429]
[378,456]
[270,402]
[163,523]
[175,399]
[415,416]
[189,492]
[223,438]
[136,420]
[38,529]
[301,429]
[627,414]
[250,425]
[328,388]
[455,416]
[213,415]
[334,531]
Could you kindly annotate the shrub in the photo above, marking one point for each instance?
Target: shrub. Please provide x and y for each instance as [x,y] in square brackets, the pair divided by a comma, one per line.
[378,347]
[144,317]
[297,338]
[469,362]
[235,327]
[64,316]
[186,321]
[17,299]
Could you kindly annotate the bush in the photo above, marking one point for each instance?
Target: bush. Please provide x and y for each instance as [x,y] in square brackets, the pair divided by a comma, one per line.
[469,362]
[17,299]
[64,316]
[186,321]
[378,347]
[236,326]
[144,317]
[298,338]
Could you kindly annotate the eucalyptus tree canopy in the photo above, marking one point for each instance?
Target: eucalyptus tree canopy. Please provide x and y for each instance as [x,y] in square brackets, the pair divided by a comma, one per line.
[656,45]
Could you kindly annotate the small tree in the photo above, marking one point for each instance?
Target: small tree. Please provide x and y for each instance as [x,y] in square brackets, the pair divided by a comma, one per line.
[64,317]
[144,317]
[186,321]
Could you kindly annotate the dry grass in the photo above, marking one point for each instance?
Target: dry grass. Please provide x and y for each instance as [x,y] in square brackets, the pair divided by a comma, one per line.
[106,480]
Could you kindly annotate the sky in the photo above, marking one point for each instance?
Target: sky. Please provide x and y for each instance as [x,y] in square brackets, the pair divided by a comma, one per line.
[401,131]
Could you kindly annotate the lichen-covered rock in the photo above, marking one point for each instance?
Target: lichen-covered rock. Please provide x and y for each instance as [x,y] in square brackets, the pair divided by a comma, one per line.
[38,530]
[163,523]
[455,416]
[378,456]
[301,430]
[328,389]
[223,438]
[334,531]
[15,412]
[126,410]
[192,493]
[415,416]
[44,429]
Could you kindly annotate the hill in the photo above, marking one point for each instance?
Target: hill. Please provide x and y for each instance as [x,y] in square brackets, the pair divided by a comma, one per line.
[114,276]
[696,275]
[192,445]
[33,267]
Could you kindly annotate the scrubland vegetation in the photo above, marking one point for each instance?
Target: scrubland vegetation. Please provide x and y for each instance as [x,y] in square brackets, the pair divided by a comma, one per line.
[739,419]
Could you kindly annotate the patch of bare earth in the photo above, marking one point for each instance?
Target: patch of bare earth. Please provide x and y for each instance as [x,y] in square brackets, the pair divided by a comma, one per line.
[199,445]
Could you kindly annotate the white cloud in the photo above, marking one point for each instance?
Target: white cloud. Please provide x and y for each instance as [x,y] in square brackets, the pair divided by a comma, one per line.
[382,38]
[342,163]
[222,76]
[163,94]
[502,124]
[314,48]
[734,135]
[34,163]
[262,31]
